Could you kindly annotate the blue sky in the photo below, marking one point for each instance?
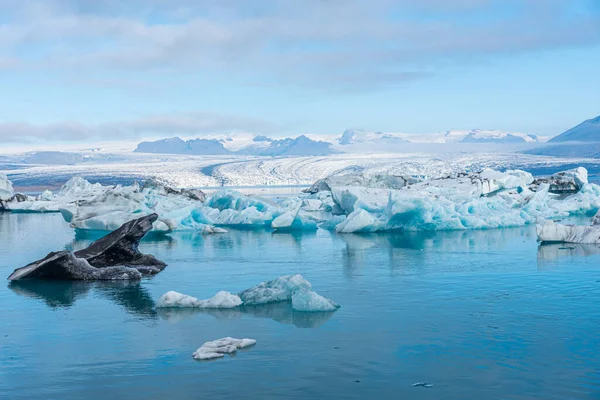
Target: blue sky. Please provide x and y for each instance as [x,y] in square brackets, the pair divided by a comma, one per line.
[82,71]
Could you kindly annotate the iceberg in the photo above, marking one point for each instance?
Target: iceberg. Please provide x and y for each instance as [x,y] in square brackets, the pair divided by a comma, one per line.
[570,181]
[486,199]
[292,288]
[112,257]
[6,188]
[276,290]
[178,300]
[552,232]
[218,348]
[309,301]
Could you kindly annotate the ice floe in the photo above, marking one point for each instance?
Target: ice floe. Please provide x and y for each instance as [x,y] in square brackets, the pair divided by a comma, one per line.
[218,348]
[178,300]
[292,288]
[550,231]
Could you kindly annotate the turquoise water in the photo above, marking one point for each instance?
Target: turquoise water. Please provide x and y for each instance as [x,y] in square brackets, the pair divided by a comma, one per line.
[479,315]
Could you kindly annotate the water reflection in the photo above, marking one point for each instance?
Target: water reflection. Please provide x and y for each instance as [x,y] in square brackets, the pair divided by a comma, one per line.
[136,300]
[55,294]
[549,255]
[131,296]
[403,249]
[281,312]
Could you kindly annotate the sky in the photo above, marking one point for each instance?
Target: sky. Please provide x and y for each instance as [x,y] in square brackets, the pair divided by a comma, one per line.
[81,71]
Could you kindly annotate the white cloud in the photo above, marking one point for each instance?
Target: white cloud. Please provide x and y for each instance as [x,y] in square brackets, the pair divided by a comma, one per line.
[311,43]
[157,125]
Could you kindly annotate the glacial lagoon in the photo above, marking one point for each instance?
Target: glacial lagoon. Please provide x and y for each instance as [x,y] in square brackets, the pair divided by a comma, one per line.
[474,314]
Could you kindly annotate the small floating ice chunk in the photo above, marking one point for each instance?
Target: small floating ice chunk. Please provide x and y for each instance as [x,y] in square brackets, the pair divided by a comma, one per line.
[309,301]
[174,299]
[423,384]
[218,348]
[222,299]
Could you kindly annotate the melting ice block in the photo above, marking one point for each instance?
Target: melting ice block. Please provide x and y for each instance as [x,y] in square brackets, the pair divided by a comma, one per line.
[293,288]
[552,232]
[309,301]
[178,300]
[6,188]
[218,348]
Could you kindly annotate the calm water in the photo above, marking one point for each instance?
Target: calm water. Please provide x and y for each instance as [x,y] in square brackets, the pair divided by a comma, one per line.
[480,315]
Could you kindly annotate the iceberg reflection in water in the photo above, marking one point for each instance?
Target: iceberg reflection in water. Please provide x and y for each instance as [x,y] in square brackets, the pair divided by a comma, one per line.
[131,296]
[281,312]
[552,255]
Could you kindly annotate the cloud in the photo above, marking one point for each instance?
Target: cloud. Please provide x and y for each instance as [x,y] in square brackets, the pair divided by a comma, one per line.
[195,123]
[310,44]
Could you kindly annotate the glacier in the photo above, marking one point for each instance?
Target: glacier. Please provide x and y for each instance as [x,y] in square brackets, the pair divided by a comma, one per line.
[291,288]
[218,348]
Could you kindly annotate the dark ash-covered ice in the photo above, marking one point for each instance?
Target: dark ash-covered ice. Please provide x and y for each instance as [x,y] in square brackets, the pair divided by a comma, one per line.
[113,257]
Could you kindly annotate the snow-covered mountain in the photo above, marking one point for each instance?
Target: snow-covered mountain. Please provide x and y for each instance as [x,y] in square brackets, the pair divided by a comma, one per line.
[300,146]
[260,146]
[587,131]
[582,140]
[355,136]
[178,146]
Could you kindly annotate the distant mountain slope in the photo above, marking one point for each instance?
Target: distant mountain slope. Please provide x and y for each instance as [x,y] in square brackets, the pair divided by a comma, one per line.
[355,136]
[261,145]
[587,131]
[179,146]
[300,146]
[483,136]
[582,141]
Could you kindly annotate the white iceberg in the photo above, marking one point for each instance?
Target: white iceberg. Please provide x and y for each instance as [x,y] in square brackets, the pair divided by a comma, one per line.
[293,220]
[6,188]
[309,301]
[293,288]
[178,300]
[488,199]
[550,231]
[218,348]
